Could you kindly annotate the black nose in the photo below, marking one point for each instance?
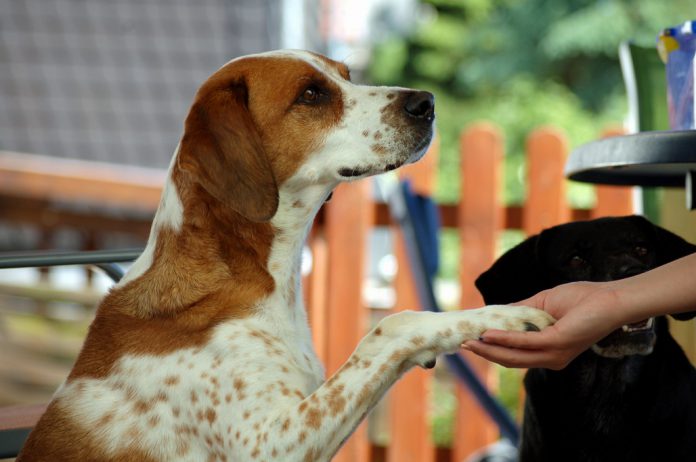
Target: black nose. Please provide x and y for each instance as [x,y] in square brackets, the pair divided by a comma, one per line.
[420,104]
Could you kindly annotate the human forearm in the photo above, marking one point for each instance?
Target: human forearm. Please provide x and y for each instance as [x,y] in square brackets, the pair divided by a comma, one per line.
[668,289]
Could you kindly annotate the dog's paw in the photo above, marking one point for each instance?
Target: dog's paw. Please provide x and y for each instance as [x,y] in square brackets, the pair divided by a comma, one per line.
[425,359]
[517,318]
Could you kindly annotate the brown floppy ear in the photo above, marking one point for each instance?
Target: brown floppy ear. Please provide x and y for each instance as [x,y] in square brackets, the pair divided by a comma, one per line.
[222,148]
[516,275]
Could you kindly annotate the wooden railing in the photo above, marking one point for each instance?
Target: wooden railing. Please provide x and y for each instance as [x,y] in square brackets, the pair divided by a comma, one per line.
[338,243]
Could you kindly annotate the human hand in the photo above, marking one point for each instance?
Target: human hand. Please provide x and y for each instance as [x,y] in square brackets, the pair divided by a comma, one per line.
[585,313]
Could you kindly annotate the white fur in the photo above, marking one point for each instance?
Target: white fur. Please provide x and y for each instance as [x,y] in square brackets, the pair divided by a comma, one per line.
[170,214]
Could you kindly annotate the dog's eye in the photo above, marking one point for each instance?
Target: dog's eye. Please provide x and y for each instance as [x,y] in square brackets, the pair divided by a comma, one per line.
[310,95]
[640,250]
[577,261]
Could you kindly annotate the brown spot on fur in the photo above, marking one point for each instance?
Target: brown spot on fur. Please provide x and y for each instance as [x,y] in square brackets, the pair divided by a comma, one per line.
[463,326]
[239,385]
[312,455]
[446,333]
[106,418]
[336,401]
[418,341]
[379,149]
[313,418]
[153,421]
[171,380]
[141,407]
[210,415]
[399,356]
[182,447]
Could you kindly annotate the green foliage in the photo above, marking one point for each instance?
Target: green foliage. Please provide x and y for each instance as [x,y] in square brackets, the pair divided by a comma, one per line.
[521,64]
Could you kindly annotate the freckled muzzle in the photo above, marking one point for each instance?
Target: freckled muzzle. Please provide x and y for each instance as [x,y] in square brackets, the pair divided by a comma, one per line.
[410,117]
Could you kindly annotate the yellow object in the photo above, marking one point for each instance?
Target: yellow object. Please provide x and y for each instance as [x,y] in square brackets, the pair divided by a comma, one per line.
[666,44]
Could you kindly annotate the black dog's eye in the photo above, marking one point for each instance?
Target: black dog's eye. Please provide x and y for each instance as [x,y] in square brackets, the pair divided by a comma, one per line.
[576,261]
[310,95]
[640,250]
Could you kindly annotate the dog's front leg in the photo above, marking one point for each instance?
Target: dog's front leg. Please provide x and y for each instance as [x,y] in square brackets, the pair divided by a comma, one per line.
[315,429]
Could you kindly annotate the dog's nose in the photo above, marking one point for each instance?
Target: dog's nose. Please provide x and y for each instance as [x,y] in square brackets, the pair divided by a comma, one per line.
[421,105]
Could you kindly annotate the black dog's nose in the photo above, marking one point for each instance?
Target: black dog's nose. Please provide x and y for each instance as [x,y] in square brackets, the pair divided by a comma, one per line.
[420,104]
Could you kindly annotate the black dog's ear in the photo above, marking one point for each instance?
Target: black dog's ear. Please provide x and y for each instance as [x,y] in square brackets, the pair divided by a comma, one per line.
[669,247]
[516,275]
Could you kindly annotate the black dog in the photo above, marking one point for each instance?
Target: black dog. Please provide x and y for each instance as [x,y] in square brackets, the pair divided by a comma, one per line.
[632,396]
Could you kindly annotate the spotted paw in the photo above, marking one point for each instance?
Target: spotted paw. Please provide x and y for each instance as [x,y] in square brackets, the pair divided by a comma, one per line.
[517,318]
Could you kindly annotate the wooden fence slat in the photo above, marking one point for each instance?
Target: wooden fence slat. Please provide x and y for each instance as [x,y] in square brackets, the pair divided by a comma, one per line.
[410,424]
[316,284]
[349,217]
[613,201]
[546,205]
[480,219]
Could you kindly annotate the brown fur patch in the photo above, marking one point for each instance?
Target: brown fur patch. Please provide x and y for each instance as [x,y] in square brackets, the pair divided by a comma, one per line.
[55,428]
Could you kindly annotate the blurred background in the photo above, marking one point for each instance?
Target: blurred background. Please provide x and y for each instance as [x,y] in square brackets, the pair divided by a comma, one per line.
[93,94]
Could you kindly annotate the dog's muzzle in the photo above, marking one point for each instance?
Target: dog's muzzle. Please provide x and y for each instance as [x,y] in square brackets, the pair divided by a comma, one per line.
[631,339]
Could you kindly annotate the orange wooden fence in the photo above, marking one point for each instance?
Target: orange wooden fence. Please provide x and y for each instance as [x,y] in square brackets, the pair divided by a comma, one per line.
[333,289]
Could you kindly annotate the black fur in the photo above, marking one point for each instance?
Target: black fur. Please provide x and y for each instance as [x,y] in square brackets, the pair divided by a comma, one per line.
[635,408]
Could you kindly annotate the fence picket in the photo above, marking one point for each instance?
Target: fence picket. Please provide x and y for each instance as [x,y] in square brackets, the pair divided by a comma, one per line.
[545,205]
[480,219]
[410,424]
[349,217]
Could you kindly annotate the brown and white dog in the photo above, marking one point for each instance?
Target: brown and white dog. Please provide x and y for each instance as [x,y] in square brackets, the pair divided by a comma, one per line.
[202,352]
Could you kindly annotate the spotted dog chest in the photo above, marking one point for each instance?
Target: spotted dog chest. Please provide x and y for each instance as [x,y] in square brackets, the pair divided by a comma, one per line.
[195,401]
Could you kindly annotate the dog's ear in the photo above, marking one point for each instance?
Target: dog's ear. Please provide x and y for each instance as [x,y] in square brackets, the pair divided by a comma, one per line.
[222,147]
[669,247]
[516,275]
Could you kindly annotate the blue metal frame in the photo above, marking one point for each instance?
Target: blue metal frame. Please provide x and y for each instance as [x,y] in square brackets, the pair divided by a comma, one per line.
[418,218]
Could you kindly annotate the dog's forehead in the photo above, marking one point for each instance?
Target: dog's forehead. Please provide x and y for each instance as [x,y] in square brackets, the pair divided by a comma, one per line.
[317,62]
[608,232]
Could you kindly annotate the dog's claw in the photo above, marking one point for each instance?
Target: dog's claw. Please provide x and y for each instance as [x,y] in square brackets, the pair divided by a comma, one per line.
[430,364]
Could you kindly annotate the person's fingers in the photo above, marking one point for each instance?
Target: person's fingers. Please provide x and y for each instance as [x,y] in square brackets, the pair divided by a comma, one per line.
[512,357]
[521,340]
